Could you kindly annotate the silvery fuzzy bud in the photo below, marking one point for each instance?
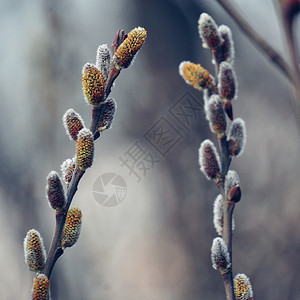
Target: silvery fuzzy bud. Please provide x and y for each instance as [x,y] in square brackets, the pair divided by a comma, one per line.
[40,288]
[219,255]
[227,86]
[218,214]
[227,83]
[34,251]
[218,219]
[107,114]
[207,93]
[209,33]
[237,137]
[67,169]
[54,191]
[103,60]
[216,115]
[227,47]
[232,186]
[209,160]
[73,123]
[242,287]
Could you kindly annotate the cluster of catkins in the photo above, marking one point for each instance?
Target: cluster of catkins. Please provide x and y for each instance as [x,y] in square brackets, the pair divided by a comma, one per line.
[218,94]
[96,84]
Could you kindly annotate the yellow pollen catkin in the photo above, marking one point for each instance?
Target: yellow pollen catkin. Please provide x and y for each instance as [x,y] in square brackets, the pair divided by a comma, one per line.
[129,47]
[41,288]
[85,149]
[195,75]
[242,287]
[93,85]
[72,228]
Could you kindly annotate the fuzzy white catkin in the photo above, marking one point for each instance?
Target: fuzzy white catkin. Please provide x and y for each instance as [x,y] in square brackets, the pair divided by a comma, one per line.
[103,60]
[237,133]
[228,44]
[219,254]
[231,179]
[218,214]
[208,31]
[210,163]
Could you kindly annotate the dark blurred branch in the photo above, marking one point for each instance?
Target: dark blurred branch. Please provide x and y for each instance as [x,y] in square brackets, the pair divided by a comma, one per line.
[260,42]
[288,11]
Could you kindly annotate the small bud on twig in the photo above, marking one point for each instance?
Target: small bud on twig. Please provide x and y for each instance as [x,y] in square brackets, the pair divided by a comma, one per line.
[67,169]
[72,228]
[209,160]
[107,114]
[237,137]
[219,255]
[209,32]
[93,84]
[73,123]
[227,47]
[232,186]
[195,75]
[129,47]
[34,251]
[216,115]
[103,60]
[85,149]
[242,287]
[218,214]
[41,288]
[55,191]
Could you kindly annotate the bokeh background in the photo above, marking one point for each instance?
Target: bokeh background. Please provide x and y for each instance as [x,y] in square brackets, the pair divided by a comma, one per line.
[156,243]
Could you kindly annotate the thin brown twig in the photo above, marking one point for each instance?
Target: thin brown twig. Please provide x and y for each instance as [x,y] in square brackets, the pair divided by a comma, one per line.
[55,249]
[227,216]
[228,206]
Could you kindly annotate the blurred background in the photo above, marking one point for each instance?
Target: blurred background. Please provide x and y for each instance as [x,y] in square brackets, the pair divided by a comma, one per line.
[156,243]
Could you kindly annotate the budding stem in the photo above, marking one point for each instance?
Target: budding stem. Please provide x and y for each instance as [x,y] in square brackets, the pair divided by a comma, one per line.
[55,249]
[113,74]
[228,208]
[229,290]
[225,159]
[96,112]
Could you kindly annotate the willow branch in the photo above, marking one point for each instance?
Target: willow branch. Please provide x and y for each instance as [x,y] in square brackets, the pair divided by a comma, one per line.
[55,248]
